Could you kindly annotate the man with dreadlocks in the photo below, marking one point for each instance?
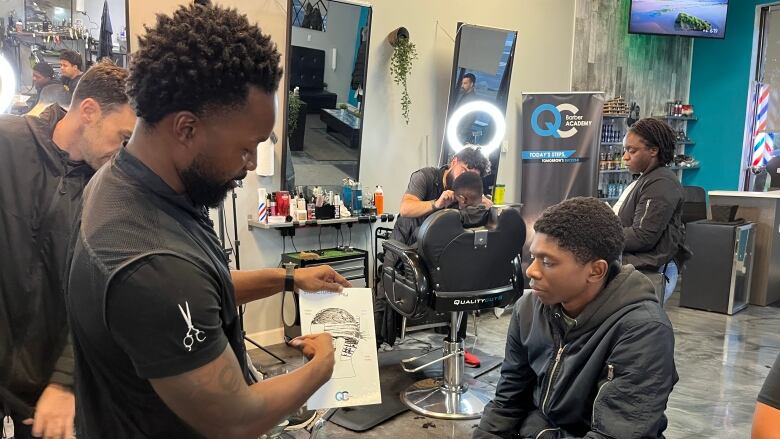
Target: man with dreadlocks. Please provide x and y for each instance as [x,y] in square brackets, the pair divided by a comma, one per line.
[650,208]
[158,345]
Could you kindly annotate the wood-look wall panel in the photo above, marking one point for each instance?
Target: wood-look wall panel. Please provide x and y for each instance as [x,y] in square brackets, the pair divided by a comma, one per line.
[646,69]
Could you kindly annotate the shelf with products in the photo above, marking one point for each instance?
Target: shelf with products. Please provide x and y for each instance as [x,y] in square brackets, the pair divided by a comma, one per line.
[685,118]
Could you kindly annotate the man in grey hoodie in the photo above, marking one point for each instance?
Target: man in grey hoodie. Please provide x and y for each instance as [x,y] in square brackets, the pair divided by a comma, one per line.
[590,353]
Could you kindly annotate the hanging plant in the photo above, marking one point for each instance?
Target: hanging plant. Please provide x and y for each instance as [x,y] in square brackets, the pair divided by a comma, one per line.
[293,111]
[404,52]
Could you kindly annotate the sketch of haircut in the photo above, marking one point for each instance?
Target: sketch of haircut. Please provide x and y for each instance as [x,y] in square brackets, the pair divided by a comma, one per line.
[345,330]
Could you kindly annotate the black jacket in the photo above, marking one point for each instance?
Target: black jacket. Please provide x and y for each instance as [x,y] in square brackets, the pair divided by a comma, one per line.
[606,374]
[652,221]
[40,197]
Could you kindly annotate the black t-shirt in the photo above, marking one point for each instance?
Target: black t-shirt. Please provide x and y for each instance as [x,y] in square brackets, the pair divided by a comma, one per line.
[425,184]
[163,313]
[770,393]
[148,306]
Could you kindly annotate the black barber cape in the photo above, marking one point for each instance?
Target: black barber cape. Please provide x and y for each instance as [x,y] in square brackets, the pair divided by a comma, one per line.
[40,195]
[150,296]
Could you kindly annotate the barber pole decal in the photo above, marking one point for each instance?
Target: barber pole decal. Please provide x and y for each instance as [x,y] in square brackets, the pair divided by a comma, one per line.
[763,142]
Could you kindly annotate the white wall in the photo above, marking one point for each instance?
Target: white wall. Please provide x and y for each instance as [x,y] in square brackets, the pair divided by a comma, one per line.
[341,34]
[391,149]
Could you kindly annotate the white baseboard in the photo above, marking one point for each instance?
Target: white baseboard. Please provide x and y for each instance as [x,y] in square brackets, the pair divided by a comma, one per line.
[265,338]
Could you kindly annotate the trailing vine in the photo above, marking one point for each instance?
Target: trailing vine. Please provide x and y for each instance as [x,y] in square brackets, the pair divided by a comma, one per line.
[404,52]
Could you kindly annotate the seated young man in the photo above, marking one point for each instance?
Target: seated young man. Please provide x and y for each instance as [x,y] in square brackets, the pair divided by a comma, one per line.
[590,353]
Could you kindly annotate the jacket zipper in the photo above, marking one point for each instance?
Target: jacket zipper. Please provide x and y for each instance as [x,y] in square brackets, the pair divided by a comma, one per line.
[647,207]
[545,431]
[610,376]
[552,376]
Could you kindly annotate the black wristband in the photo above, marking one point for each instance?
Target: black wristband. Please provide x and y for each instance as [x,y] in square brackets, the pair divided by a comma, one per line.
[289,277]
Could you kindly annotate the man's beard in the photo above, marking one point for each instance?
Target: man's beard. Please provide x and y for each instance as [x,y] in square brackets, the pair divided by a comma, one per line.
[203,188]
[449,180]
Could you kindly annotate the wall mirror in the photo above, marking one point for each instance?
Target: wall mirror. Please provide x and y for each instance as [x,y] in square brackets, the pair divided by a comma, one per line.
[326,79]
[481,73]
[43,15]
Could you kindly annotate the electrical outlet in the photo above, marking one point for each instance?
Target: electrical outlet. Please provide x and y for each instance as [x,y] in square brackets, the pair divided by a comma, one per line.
[505,146]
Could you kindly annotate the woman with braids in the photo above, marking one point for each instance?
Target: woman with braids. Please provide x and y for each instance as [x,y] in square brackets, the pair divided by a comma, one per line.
[650,209]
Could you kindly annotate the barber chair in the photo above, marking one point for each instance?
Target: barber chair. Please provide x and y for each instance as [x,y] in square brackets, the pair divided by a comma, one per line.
[454,270]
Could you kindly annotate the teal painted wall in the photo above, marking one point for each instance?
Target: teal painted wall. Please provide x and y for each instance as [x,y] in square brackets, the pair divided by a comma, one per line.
[720,77]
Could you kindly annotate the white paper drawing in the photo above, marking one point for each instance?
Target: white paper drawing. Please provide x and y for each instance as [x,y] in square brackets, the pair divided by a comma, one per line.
[345,329]
[349,318]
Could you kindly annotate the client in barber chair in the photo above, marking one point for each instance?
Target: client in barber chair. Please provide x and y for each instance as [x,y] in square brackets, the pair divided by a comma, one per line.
[467,192]
[590,353]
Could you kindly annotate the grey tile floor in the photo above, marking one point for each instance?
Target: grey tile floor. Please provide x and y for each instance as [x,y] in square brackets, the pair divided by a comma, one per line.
[722,362]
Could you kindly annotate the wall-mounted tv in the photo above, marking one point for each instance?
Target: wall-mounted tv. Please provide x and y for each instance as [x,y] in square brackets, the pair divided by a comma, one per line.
[688,18]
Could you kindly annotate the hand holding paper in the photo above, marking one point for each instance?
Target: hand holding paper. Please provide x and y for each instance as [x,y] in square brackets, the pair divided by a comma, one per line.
[319,278]
[349,318]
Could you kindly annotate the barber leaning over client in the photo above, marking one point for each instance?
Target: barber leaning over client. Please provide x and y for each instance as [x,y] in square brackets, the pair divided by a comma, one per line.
[159,350]
[429,190]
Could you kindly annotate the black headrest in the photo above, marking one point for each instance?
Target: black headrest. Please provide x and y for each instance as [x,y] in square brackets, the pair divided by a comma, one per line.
[454,259]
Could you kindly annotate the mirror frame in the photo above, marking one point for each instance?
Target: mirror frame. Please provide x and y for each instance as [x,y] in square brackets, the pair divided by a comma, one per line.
[285,135]
[490,180]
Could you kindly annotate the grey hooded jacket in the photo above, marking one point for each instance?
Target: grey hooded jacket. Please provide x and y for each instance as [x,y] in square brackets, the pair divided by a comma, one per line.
[606,374]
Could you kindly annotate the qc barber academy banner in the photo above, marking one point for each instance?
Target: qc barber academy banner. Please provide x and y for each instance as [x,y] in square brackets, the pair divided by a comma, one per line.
[560,149]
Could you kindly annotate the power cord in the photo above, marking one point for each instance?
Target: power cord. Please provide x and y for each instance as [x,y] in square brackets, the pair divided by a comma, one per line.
[292,241]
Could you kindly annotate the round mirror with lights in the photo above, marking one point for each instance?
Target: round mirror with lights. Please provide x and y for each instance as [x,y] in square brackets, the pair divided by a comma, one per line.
[7,84]
[484,107]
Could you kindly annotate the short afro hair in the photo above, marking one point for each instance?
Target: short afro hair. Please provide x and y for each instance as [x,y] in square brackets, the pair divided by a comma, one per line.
[469,182]
[474,159]
[471,77]
[656,133]
[203,57]
[586,227]
[104,82]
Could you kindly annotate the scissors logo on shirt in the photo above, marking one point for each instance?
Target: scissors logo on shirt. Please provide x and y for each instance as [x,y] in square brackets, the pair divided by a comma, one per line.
[193,334]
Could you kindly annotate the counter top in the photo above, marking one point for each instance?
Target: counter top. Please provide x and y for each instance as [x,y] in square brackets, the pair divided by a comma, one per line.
[744,194]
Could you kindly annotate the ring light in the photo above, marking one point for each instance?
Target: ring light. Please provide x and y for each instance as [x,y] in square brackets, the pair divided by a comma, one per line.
[7,84]
[477,106]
